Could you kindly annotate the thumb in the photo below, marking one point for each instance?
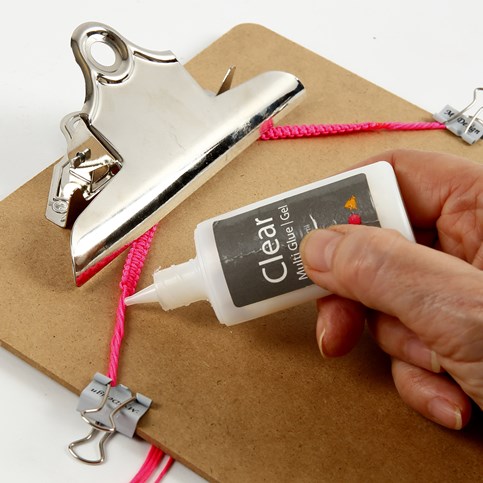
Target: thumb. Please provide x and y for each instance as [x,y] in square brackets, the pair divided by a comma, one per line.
[436,295]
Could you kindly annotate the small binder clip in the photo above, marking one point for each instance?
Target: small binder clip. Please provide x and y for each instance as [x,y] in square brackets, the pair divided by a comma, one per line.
[146,138]
[468,127]
[108,409]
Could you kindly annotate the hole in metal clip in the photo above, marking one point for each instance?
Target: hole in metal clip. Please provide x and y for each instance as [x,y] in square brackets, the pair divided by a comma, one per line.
[103,54]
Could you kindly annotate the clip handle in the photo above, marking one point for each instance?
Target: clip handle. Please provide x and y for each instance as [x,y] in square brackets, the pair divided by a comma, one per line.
[86,439]
[98,428]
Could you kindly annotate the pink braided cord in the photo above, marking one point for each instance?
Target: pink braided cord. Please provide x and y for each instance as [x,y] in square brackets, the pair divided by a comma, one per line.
[271,132]
[130,275]
[165,469]
[151,463]
[154,457]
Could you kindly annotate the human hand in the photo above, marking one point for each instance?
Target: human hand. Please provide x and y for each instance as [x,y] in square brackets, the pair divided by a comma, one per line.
[424,301]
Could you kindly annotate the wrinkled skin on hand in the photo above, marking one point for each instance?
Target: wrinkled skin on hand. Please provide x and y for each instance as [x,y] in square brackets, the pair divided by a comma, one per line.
[423,302]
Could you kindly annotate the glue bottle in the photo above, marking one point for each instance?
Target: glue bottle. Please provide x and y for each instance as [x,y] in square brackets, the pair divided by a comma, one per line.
[248,262]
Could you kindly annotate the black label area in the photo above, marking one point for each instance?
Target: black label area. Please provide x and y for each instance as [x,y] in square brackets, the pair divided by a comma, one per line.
[259,249]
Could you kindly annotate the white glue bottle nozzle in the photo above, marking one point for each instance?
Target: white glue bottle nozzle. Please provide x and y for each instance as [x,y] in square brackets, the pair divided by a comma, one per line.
[173,287]
[145,296]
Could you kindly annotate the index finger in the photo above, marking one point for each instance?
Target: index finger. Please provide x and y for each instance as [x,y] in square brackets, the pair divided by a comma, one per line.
[427,180]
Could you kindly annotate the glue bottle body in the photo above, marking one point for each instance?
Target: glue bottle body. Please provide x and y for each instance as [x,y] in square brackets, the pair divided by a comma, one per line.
[248,262]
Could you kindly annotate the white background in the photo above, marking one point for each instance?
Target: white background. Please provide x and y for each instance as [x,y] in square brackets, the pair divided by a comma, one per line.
[427,52]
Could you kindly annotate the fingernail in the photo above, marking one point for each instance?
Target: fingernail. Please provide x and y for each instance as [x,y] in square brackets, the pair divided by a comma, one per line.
[321,343]
[445,413]
[459,419]
[435,365]
[318,248]
[419,354]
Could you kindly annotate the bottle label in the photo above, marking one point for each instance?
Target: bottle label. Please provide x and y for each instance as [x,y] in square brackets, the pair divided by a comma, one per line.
[259,249]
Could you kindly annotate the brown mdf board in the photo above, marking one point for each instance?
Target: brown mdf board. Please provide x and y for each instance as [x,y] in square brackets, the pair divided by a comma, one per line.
[252,402]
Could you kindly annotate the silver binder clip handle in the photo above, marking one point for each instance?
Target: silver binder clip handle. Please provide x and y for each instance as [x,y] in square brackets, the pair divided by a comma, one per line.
[467,108]
[467,127]
[107,416]
[79,442]
[97,428]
